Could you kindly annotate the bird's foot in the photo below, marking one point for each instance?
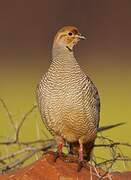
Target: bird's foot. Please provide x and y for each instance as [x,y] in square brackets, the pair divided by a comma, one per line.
[57,155]
[81,164]
[70,158]
[87,158]
[74,159]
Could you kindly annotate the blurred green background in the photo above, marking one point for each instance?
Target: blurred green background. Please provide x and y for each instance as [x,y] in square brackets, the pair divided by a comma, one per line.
[27,28]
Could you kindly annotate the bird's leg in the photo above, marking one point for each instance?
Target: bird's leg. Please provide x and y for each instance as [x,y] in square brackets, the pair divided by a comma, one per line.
[80,160]
[72,155]
[59,149]
[70,147]
[81,152]
[60,143]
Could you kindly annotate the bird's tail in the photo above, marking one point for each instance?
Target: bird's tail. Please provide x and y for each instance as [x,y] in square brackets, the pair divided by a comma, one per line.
[104,128]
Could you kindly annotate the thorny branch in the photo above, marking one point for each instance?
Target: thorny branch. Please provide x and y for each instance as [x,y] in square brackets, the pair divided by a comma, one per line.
[30,148]
[115,155]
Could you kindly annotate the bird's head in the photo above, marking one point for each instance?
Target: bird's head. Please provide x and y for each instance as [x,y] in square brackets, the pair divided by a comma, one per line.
[67,37]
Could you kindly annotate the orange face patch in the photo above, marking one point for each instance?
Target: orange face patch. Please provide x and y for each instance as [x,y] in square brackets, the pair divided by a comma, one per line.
[66,38]
[67,35]
[74,31]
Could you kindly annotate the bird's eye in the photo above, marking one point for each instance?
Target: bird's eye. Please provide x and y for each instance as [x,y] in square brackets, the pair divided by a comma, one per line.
[70,33]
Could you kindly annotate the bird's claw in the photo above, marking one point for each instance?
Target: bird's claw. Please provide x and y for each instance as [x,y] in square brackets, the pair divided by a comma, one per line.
[81,164]
[57,155]
[71,159]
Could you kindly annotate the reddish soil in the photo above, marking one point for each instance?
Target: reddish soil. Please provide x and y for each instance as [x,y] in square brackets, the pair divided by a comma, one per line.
[47,169]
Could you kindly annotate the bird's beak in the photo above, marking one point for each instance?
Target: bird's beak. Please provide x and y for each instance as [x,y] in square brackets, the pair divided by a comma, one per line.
[79,36]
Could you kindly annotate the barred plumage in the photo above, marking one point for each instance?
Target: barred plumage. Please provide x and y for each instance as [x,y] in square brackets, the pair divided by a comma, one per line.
[68,100]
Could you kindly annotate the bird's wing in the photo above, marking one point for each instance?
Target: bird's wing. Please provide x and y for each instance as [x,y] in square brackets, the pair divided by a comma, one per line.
[95,100]
[39,89]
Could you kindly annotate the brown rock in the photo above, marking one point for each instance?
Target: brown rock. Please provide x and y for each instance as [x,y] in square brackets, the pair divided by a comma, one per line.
[47,169]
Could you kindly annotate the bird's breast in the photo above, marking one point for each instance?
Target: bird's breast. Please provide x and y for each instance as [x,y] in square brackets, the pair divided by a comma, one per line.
[66,105]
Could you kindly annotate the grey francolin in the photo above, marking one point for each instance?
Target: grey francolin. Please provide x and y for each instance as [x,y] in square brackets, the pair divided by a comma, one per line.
[68,100]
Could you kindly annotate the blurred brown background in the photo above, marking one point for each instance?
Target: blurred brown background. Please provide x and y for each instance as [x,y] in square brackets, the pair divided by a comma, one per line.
[27,28]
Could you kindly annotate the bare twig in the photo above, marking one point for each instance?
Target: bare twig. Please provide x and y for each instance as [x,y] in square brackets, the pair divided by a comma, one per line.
[46,145]
[12,155]
[113,144]
[30,151]
[17,162]
[22,121]
[8,113]
[16,140]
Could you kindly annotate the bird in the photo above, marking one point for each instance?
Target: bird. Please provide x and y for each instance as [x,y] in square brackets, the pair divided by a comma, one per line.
[68,100]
